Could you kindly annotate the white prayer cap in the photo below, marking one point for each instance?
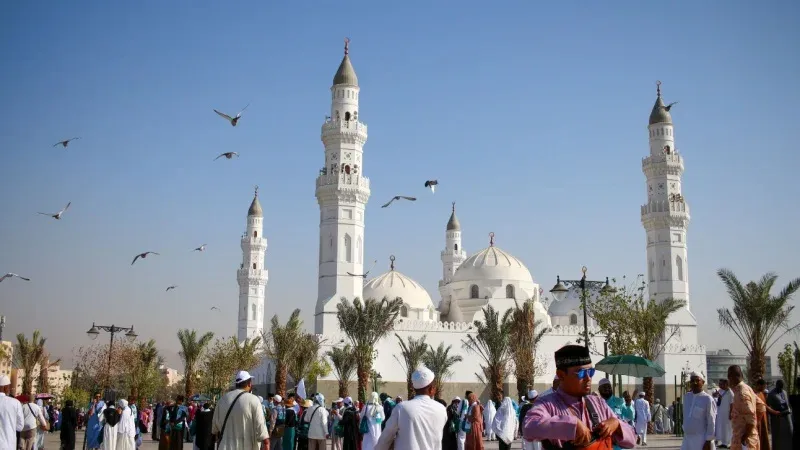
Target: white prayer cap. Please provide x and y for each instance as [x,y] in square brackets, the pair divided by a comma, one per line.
[456,398]
[339,400]
[123,403]
[422,378]
[641,394]
[604,381]
[532,394]
[698,375]
[277,398]
[4,380]
[523,398]
[348,400]
[242,376]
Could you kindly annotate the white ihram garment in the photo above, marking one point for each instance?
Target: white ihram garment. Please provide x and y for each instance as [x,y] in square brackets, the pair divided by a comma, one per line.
[724,428]
[372,412]
[109,434]
[505,422]
[489,412]
[642,408]
[415,424]
[126,430]
[699,417]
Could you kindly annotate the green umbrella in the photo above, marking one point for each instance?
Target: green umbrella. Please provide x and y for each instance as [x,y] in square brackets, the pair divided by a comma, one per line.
[630,365]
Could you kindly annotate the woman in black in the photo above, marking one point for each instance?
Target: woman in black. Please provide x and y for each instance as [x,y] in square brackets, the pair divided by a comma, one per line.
[450,436]
[350,422]
[69,422]
[202,428]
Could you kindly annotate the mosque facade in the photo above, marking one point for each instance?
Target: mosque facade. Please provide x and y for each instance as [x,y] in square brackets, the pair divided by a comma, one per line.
[471,281]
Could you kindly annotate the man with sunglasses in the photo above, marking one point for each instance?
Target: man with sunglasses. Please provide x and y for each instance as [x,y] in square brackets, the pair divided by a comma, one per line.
[571,417]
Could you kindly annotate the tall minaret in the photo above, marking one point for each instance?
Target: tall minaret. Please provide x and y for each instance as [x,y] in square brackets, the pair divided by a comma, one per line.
[665,216]
[453,254]
[252,275]
[342,193]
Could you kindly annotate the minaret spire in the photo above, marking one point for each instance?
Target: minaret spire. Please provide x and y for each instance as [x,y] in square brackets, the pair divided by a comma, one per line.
[346,46]
[658,82]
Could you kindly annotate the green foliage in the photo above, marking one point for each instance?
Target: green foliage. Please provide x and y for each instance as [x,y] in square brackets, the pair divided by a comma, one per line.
[412,354]
[440,361]
[526,334]
[192,348]
[222,359]
[758,318]
[491,343]
[344,366]
[281,344]
[306,356]
[319,368]
[786,364]
[365,323]
[27,354]
[79,396]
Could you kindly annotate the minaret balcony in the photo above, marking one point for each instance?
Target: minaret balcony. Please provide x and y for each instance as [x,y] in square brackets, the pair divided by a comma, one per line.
[665,164]
[255,277]
[344,180]
[344,131]
[665,213]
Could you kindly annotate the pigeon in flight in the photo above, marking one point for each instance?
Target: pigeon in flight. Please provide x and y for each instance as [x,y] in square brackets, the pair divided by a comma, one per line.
[364,275]
[143,256]
[202,248]
[227,155]
[214,308]
[232,120]
[12,275]
[431,184]
[667,108]
[398,197]
[57,215]
[171,287]
[65,143]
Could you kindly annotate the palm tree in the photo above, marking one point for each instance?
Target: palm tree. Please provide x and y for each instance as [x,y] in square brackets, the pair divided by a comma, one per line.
[526,333]
[45,364]
[246,355]
[440,361]
[28,354]
[192,350]
[365,323]
[344,365]
[757,316]
[491,343]
[143,375]
[412,353]
[281,344]
[306,355]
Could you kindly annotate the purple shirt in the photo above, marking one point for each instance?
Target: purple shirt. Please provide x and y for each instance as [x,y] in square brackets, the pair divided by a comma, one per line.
[554,418]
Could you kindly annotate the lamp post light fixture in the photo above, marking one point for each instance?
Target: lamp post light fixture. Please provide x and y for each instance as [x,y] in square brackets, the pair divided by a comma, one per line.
[561,289]
[112,330]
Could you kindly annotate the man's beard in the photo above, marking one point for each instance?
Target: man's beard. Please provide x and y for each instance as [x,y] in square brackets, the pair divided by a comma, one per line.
[606,396]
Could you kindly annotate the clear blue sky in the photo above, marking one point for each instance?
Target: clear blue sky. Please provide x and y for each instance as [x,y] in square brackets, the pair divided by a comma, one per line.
[532,117]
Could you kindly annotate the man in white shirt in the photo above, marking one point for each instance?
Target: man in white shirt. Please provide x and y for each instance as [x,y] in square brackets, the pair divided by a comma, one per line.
[246,427]
[34,418]
[317,418]
[699,416]
[416,424]
[12,419]
[642,408]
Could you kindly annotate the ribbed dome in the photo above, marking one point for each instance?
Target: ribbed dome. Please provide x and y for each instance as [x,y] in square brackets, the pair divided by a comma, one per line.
[393,284]
[659,114]
[346,74]
[255,208]
[492,263]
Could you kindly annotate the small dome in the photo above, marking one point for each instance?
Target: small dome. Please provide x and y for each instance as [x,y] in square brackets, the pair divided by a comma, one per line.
[660,113]
[393,284]
[453,224]
[572,303]
[346,74]
[492,263]
[255,208]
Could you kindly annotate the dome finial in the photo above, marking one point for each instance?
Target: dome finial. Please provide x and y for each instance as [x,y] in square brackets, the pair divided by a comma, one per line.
[391,262]
[346,46]
[491,239]
[256,194]
[454,207]
[658,84]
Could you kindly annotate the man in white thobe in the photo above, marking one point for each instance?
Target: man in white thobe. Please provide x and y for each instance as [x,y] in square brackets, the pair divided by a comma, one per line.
[724,428]
[699,416]
[126,430]
[12,420]
[416,424]
[463,407]
[246,428]
[642,408]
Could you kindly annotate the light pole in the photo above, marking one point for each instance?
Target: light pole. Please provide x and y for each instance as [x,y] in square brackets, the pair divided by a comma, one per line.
[2,325]
[112,330]
[561,289]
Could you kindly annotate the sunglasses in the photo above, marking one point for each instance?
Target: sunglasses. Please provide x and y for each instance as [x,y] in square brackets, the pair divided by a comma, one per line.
[583,373]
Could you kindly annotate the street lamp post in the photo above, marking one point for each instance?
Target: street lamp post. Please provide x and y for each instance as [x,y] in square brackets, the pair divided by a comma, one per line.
[112,330]
[2,325]
[561,289]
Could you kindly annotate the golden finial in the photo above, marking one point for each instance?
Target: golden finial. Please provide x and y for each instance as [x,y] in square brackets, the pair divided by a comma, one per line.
[346,46]
[491,239]
[391,262]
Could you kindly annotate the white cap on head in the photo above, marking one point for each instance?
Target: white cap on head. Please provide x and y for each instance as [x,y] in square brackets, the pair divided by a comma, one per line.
[422,378]
[604,381]
[277,398]
[532,394]
[456,398]
[641,394]
[338,400]
[4,380]
[698,375]
[242,376]
[348,400]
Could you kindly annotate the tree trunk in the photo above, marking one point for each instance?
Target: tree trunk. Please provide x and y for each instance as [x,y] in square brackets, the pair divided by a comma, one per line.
[410,387]
[523,384]
[362,371]
[648,387]
[496,383]
[27,384]
[280,378]
[343,388]
[189,387]
[756,365]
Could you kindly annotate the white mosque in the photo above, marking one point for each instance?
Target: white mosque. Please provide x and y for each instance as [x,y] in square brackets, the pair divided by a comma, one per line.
[490,276]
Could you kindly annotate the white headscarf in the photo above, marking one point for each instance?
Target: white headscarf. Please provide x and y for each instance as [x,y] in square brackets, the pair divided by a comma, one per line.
[373,407]
[505,421]
[126,425]
[374,399]
[489,412]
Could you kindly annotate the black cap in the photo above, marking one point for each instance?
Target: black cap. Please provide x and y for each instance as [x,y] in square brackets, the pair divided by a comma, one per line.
[572,356]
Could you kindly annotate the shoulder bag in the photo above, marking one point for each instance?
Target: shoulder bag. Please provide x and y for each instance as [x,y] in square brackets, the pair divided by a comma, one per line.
[228,414]
[302,430]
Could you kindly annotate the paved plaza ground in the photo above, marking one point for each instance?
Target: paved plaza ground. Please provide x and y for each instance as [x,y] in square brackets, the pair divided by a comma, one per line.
[667,442]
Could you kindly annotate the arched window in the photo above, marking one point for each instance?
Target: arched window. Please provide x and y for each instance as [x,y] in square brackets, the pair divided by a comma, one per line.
[510,291]
[455,247]
[255,234]
[254,266]
[404,311]
[355,115]
[473,291]
[679,263]
[347,116]
[573,319]
[348,248]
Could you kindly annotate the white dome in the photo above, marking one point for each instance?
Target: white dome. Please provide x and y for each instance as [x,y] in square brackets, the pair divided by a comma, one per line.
[492,263]
[570,304]
[393,284]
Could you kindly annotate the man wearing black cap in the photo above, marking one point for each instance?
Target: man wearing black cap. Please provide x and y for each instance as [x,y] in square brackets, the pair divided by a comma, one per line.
[571,417]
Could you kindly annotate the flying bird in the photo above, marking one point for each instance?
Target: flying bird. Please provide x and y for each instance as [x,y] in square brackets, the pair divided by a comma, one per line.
[12,275]
[232,120]
[398,197]
[227,155]
[666,108]
[143,256]
[213,308]
[364,275]
[65,143]
[431,184]
[202,248]
[171,287]
[57,215]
